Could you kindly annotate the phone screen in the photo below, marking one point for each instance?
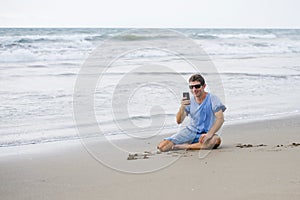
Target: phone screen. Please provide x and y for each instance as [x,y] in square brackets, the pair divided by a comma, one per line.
[187,95]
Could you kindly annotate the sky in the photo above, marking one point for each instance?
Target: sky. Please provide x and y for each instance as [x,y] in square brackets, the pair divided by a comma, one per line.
[151,13]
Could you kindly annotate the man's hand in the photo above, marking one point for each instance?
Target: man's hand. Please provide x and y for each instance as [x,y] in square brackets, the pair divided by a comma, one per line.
[185,102]
[205,138]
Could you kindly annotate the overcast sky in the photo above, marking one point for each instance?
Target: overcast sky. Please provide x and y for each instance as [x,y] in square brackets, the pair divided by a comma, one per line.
[151,13]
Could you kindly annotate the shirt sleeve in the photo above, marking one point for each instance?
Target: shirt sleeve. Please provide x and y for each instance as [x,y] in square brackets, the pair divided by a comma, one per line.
[217,104]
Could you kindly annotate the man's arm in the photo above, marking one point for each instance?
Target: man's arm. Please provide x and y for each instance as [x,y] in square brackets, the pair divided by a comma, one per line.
[181,114]
[216,126]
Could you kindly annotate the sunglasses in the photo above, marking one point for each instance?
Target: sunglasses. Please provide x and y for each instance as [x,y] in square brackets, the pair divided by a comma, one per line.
[196,86]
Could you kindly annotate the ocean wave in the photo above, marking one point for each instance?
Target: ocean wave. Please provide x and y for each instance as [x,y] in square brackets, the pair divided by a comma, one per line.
[247,36]
[137,118]
[44,41]
[275,76]
[141,37]
[38,66]
[52,57]
[65,74]
[94,38]
[144,117]
[38,40]
[70,44]
[213,36]
[204,36]
[132,37]
[66,131]
[11,142]
[263,44]
[60,54]
[146,73]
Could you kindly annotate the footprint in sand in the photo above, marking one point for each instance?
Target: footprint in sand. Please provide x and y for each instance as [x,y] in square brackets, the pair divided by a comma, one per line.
[249,145]
[294,144]
[144,155]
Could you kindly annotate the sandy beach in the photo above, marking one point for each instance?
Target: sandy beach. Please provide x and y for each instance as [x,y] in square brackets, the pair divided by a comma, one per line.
[257,160]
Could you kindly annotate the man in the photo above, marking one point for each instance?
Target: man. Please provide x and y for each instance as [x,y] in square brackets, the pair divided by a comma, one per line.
[206,113]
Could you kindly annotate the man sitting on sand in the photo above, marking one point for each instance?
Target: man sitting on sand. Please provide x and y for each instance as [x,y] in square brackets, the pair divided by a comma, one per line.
[206,113]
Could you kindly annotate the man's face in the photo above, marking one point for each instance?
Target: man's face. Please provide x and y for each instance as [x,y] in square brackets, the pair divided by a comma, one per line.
[196,88]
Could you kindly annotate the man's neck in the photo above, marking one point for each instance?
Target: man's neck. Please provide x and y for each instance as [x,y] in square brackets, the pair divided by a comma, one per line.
[201,98]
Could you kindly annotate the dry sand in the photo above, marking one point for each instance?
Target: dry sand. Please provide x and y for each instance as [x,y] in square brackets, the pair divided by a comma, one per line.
[257,160]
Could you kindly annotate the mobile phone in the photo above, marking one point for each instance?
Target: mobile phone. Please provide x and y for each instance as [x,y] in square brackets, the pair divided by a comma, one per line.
[186,95]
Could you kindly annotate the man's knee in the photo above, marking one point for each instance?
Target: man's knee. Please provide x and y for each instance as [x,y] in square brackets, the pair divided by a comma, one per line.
[217,142]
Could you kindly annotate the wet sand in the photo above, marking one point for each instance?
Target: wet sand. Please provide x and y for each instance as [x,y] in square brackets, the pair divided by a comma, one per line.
[257,160]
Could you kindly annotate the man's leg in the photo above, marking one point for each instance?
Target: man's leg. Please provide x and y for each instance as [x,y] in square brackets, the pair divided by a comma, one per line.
[213,143]
[183,136]
[165,145]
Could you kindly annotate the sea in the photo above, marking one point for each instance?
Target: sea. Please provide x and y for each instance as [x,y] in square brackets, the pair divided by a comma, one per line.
[257,70]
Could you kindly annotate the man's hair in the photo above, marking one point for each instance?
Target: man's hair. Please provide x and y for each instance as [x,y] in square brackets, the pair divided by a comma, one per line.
[197,77]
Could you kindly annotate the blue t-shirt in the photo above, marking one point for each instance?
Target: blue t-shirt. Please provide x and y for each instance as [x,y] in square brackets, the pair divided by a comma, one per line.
[202,115]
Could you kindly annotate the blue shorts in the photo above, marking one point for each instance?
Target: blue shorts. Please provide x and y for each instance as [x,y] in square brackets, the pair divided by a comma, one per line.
[185,136]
